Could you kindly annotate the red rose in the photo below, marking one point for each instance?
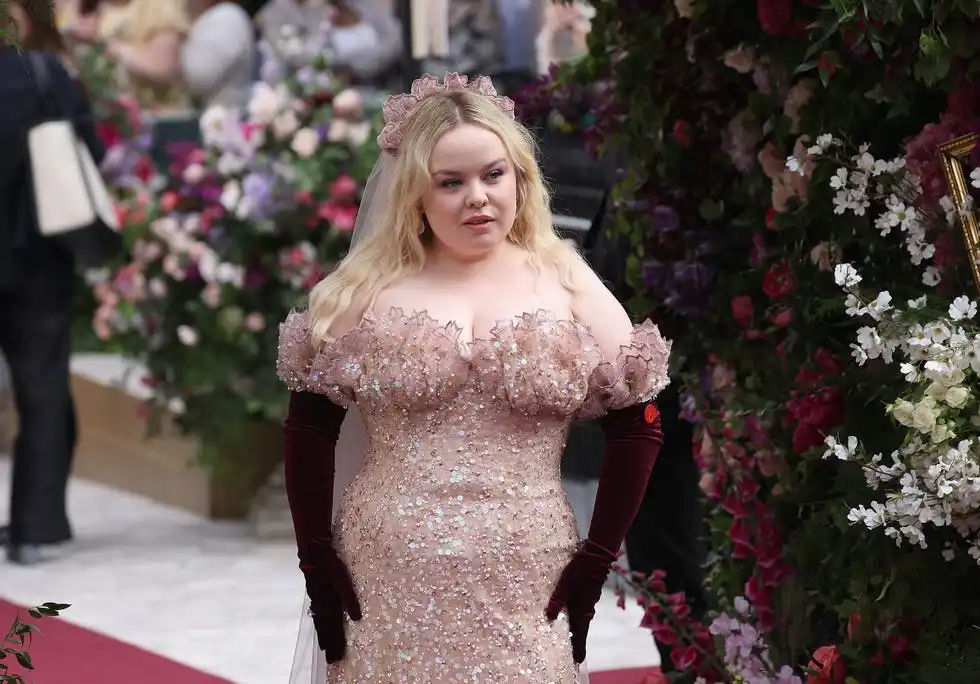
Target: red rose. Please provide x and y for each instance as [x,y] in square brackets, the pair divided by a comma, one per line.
[684,657]
[775,16]
[829,665]
[108,133]
[778,281]
[743,310]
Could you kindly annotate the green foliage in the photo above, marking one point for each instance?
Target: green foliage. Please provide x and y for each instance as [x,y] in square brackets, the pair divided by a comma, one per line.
[16,645]
[709,105]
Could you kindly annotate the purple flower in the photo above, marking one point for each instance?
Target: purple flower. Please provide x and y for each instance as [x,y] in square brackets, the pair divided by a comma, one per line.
[258,190]
[682,286]
[664,219]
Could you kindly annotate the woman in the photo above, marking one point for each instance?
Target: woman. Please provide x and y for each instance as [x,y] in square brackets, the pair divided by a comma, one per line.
[36,279]
[144,38]
[468,335]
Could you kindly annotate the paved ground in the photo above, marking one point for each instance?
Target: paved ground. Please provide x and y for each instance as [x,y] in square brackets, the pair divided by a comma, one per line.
[209,595]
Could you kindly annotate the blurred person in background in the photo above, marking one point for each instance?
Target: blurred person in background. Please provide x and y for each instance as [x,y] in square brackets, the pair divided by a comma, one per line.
[36,279]
[144,37]
[365,40]
[477,44]
[362,37]
[218,58]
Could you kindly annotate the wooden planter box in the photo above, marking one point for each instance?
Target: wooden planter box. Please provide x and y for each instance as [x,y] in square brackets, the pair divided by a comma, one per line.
[114,449]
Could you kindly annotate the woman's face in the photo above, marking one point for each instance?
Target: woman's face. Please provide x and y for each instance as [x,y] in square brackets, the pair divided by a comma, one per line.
[471,202]
[23,22]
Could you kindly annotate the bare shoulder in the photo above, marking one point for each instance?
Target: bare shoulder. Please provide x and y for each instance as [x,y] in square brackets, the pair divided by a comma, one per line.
[594,305]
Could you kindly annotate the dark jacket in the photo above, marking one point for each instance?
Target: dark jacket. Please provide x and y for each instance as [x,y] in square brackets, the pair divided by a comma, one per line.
[21,246]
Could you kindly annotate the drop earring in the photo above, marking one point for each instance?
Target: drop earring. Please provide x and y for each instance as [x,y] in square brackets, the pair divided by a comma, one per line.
[423,226]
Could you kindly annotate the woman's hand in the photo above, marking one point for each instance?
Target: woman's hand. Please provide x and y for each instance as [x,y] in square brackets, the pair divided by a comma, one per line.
[332,596]
[578,591]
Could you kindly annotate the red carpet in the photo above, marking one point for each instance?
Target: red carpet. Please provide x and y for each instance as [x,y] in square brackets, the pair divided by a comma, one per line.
[643,675]
[64,653]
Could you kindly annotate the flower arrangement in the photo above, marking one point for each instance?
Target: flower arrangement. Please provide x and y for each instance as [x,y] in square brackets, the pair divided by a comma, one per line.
[127,168]
[735,189]
[246,224]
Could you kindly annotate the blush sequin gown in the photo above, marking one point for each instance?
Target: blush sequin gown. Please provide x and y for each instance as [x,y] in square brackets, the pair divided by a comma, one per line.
[456,528]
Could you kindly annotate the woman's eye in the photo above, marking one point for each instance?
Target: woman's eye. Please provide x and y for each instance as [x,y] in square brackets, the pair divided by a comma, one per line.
[450,183]
[495,174]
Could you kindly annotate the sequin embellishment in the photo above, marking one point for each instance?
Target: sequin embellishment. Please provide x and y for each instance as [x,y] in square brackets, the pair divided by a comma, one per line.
[456,528]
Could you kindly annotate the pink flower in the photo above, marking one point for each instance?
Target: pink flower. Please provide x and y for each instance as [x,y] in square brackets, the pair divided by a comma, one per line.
[343,188]
[796,100]
[255,322]
[722,377]
[340,215]
[782,318]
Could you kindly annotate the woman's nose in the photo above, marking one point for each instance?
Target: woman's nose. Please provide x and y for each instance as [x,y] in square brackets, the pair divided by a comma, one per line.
[477,197]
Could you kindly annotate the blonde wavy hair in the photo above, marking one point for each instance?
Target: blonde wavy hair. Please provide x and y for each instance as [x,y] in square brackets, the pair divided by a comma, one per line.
[395,248]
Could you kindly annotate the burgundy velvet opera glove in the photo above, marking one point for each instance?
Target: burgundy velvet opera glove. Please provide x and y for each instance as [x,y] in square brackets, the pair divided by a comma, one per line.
[633,440]
[310,435]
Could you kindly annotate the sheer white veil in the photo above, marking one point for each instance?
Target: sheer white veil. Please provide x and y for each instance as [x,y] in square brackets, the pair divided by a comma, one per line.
[309,663]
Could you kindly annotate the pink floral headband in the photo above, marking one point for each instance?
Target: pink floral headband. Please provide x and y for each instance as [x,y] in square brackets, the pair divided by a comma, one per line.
[397,108]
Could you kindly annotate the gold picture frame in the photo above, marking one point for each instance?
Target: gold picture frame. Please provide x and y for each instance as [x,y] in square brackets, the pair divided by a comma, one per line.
[952,156]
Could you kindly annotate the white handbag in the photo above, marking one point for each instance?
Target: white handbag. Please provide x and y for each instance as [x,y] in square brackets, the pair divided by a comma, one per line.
[71,203]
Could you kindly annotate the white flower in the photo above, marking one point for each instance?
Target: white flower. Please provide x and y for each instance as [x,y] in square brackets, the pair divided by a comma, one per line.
[305,142]
[841,451]
[187,335]
[348,103]
[193,174]
[839,180]
[957,396]
[231,195]
[230,164]
[924,416]
[975,178]
[795,165]
[264,104]
[284,125]
[213,123]
[902,411]
[931,276]
[358,134]
[962,308]
[846,275]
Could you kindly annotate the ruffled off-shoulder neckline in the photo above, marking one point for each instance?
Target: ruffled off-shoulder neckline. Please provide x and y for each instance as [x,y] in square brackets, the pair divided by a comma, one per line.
[637,373]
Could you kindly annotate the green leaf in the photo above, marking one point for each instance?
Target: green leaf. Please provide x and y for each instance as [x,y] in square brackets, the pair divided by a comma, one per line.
[24,660]
[824,73]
